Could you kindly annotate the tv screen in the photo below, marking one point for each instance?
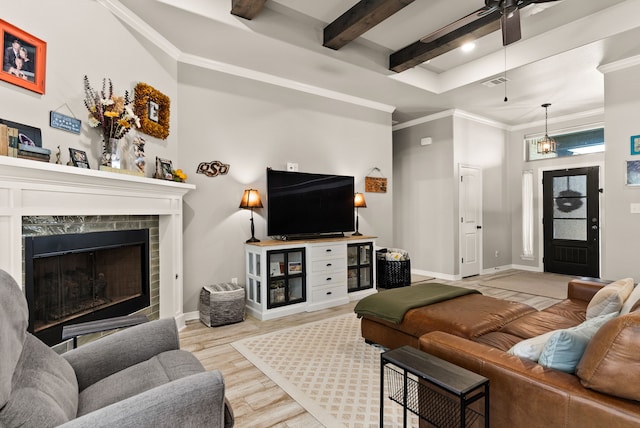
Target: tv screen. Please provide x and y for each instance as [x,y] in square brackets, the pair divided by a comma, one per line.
[301,203]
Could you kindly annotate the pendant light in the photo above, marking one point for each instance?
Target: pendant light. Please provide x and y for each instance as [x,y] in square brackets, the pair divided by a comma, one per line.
[547,144]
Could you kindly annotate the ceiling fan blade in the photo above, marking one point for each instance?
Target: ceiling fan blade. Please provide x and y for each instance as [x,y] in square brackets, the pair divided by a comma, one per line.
[469,19]
[510,24]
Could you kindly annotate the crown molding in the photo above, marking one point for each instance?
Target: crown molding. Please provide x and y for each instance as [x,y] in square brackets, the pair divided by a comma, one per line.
[619,65]
[134,21]
[271,79]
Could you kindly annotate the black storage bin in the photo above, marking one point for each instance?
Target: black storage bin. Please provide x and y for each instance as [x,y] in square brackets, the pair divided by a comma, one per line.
[392,273]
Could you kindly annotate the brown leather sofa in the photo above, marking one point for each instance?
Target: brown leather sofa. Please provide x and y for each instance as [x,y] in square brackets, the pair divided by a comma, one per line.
[604,392]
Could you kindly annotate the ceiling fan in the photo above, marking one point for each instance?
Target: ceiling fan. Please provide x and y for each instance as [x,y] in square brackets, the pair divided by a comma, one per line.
[507,11]
[510,16]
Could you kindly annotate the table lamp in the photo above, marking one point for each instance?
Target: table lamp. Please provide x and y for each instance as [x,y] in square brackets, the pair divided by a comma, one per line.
[358,202]
[251,200]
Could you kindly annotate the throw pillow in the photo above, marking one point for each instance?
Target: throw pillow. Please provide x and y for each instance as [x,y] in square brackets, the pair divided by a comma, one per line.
[530,348]
[633,298]
[610,362]
[610,298]
[564,348]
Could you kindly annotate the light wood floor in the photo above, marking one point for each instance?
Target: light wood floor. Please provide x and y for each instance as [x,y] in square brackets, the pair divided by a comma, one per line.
[256,400]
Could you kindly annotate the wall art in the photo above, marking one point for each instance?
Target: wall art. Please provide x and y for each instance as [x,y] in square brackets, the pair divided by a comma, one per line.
[24,57]
[635,145]
[153,108]
[213,168]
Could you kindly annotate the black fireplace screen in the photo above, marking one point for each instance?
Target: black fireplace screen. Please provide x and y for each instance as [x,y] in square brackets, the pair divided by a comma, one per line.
[84,277]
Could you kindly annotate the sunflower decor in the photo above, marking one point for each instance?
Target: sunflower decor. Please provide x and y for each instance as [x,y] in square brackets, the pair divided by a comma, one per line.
[152,107]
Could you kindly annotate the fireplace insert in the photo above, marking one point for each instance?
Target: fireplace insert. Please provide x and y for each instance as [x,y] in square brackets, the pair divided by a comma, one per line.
[83,277]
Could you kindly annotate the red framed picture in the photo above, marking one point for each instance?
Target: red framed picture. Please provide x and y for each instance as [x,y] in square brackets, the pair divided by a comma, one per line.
[23,58]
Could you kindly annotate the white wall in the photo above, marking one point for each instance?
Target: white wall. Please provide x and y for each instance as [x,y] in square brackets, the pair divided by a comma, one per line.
[483,145]
[621,244]
[424,186]
[252,126]
[426,195]
[83,38]
[214,116]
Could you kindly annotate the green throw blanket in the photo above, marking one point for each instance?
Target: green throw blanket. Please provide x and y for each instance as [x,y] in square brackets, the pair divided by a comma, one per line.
[391,305]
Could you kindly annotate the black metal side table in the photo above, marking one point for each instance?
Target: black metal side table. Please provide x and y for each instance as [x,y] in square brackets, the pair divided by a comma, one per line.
[437,391]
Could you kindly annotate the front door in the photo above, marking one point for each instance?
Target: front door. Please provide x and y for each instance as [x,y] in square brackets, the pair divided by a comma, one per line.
[571,221]
[470,221]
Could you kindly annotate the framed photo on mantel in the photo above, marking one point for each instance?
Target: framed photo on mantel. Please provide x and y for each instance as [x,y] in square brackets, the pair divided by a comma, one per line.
[23,58]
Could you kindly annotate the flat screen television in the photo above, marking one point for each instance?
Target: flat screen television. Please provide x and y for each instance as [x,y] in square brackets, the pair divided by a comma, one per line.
[300,203]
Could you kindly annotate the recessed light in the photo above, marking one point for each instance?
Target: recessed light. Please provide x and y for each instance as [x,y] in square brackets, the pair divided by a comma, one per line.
[468,47]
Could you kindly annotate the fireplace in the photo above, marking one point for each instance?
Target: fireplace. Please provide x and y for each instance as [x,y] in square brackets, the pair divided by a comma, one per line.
[80,277]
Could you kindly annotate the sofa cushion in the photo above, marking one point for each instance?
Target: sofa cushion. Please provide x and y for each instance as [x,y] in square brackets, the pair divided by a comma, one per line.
[633,298]
[156,371]
[611,362]
[531,348]
[610,298]
[44,389]
[564,348]
[537,323]
[14,319]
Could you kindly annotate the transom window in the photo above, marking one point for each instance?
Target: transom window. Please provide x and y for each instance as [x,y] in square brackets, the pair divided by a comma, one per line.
[570,142]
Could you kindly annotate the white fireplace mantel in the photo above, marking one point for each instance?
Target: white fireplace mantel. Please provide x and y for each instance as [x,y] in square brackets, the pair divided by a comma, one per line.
[31,188]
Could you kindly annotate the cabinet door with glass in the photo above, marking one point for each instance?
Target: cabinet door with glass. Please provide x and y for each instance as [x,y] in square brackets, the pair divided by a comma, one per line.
[360,266]
[286,271]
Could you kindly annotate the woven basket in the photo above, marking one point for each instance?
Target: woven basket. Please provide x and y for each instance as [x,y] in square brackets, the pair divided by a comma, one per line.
[392,273]
[222,304]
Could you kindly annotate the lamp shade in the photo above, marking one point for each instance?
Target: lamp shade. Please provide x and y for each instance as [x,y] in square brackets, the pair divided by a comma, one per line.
[250,199]
[358,201]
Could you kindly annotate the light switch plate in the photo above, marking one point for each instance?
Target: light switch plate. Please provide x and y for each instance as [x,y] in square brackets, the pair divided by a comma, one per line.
[635,208]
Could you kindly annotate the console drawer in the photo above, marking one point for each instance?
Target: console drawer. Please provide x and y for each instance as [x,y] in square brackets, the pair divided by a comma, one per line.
[328,278]
[326,294]
[329,265]
[328,251]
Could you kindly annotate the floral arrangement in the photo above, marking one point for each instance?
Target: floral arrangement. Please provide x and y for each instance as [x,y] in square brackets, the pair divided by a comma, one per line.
[112,114]
[178,175]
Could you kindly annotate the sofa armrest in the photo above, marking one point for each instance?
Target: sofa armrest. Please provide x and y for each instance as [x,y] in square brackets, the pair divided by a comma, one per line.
[524,393]
[585,288]
[196,400]
[110,354]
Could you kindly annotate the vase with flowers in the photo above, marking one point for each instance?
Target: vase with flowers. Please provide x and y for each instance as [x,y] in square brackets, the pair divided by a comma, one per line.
[112,115]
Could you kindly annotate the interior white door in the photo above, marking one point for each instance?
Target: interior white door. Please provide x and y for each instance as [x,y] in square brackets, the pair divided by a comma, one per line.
[470,221]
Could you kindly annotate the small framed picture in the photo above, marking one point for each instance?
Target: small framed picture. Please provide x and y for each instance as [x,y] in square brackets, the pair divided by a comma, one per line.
[295,267]
[79,158]
[164,169]
[153,110]
[24,56]
[274,269]
[633,173]
[635,145]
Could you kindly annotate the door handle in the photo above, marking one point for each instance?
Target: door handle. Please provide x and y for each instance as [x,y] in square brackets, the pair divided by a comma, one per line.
[478,227]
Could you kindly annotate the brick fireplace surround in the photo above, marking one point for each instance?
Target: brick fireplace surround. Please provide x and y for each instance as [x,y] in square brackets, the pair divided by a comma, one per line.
[29,188]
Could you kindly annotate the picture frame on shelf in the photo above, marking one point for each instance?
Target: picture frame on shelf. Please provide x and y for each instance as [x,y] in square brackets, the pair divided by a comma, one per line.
[153,108]
[164,169]
[23,58]
[635,145]
[295,267]
[633,173]
[79,158]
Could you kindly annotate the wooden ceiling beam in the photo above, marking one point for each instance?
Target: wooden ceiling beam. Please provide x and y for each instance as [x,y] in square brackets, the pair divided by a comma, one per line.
[247,9]
[362,17]
[421,51]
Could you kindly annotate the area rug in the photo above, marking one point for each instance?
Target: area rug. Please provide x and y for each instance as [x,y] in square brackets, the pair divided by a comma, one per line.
[328,369]
[538,283]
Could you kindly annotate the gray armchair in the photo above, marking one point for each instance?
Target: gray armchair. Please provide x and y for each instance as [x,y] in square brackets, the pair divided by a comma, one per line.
[134,378]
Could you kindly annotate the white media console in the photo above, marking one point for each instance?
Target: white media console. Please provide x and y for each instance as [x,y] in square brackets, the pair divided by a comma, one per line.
[288,277]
